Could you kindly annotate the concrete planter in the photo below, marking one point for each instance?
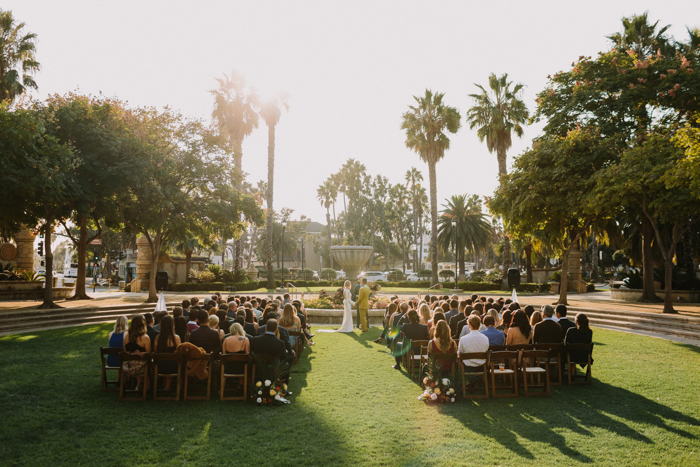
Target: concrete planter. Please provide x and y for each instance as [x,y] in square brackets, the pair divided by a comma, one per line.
[633,295]
[31,290]
[321,317]
[19,286]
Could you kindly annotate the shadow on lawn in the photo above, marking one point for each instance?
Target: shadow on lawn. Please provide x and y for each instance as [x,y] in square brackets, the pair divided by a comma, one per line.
[600,406]
[365,338]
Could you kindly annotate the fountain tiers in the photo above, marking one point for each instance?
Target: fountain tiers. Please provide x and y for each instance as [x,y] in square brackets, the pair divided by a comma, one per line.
[351,259]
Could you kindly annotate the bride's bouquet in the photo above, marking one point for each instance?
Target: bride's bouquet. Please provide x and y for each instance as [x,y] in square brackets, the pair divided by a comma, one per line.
[437,388]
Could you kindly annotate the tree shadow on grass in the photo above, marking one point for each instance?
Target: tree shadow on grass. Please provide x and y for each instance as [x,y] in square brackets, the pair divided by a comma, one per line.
[580,410]
[365,338]
[692,348]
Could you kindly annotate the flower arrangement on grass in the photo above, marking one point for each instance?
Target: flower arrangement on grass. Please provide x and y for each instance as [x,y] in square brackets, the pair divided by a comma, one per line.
[270,389]
[437,388]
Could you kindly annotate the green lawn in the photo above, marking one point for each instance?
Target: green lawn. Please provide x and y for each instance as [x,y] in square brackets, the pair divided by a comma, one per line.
[349,408]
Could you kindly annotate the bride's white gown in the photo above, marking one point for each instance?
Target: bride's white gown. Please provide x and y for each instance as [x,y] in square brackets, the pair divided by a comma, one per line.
[347,325]
[347,314]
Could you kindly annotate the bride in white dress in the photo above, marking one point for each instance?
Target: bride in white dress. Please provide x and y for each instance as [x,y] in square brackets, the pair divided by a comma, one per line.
[347,325]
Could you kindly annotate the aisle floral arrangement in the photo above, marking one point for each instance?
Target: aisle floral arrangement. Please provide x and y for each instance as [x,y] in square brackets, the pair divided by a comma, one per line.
[437,388]
[270,389]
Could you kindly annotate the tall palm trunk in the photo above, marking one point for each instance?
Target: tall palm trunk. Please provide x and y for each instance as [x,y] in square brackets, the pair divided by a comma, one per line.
[420,258]
[48,284]
[238,167]
[270,185]
[502,172]
[433,222]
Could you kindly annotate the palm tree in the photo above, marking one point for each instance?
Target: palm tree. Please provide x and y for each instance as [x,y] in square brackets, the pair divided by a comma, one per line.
[325,197]
[235,115]
[17,61]
[496,117]
[425,125]
[473,230]
[333,187]
[271,112]
[413,178]
[642,37]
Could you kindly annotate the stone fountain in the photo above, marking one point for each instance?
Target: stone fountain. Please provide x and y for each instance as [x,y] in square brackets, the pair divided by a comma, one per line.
[351,259]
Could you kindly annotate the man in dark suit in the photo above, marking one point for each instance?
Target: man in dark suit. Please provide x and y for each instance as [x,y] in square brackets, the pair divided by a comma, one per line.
[204,336]
[412,330]
[462,323]
[284,335]
[547,331]
[564,322]
[454,321]
[453,310]
[267,342]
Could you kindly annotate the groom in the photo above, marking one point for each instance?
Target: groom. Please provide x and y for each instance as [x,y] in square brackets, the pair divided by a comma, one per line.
[363,304]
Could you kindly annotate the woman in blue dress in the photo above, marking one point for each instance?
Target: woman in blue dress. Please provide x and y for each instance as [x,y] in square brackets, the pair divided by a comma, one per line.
[116,339]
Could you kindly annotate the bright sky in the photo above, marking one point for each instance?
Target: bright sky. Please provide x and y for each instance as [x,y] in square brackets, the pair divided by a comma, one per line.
[351,69]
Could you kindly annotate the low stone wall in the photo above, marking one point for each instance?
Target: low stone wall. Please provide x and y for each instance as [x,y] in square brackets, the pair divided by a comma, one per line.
[316,316]
[633,295]
[31,290]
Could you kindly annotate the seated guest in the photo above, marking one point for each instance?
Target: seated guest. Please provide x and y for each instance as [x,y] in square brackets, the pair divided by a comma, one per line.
[250,326]
[520,331]
[157,316]
[548,331]
[177,312]
[181,329]
[462,326]
[494,336]
[453,311]
[475,341]
[412,330]
[194,301]
[443,343]
[289,321]
[185,308]
[166,342]
[214,324]
[149,327]
[456,318]
[496,317]
[116,339]
[224,324]
[424,314]
[535,317]
[437,317]
[282,334]
[231,312]
[507,316]
[529,310]
[192,323]
[581,334]
[268,343]
[204,336]
[237,342]
[388,319]
[136,341]
[561,318]
[400,317]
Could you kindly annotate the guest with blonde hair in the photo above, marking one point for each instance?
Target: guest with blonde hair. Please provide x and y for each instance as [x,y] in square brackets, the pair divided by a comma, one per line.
[116,339]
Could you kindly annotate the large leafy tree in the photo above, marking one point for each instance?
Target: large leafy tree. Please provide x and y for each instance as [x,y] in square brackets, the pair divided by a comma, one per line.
[471,232]
[399,217]
[235,114]
[181,188]
[271,112]
[551,188]
[427,125]
[497,116]
[17,60]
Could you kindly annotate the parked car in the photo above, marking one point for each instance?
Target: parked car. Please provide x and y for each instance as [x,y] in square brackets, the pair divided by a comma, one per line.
[412,277]
[372,276]
[340,275]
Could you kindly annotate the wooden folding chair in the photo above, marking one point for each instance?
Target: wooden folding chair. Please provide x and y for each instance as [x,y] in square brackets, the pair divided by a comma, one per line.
[234,357]
[208,359]
[268,359]
[571,364]
[484,373]
[441,358]
[504,357]
[157,373]
[554,359]
[416,357]
[497,348]
[535,357]
[123,391]
[105,383]
[299,347]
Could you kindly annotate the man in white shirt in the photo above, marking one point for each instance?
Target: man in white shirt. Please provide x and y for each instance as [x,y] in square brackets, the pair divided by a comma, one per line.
[473,342]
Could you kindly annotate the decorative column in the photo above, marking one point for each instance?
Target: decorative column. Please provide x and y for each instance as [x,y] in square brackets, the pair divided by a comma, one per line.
[143,264]
[25,250]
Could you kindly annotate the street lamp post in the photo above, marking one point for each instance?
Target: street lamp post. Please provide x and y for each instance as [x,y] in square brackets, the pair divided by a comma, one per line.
[284,229]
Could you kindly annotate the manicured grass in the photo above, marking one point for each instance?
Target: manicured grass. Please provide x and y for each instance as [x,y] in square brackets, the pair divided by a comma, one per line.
[349,408]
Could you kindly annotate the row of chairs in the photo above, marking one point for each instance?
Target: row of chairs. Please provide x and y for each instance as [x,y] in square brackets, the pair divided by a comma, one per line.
[182,381]
[507,363]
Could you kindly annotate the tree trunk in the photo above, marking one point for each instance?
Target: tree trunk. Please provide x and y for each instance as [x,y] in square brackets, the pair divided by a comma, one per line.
[188,265]
[152,294]
[80,293]
[648,292]
[270,186]
[668,278]
[564,283]
[595,276]
[528,263]
[462,276]
[420,257]
[48,284]
[330,238]
[502,172]
[433,223]
[238,167]
[371,257]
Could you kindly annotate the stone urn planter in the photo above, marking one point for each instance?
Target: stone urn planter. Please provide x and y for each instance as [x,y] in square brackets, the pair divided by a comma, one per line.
[351,259]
